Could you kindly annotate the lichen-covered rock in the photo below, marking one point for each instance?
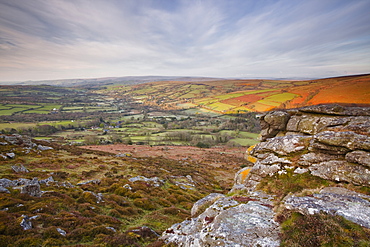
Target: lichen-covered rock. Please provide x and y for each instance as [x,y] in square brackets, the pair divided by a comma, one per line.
[205,202]
[32,189]
[26,223]
[360,157]
[348,139]
[277,119]
[227,223]
[334,109]
[4,190]
[340,170]
[336,201]
[43,148]
[316,158]
[19,169]
[241,175]
[154,180]
[283,145]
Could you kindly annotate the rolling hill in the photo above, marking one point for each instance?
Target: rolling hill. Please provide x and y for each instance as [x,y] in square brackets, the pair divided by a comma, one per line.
[233,96]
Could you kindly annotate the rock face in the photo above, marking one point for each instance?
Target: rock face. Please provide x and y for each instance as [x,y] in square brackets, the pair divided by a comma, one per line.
[229,221]
[330,141]
[336,201]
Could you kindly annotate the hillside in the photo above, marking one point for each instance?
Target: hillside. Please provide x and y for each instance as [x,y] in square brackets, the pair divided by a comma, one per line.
[232,96]
[54,195]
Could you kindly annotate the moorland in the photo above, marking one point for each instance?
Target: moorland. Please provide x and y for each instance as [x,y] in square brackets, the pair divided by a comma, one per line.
[119,163]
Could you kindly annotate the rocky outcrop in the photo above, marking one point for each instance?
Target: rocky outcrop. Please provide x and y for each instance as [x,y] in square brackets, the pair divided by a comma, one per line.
[24,145]
[336,201]
[228,221]
[329,141]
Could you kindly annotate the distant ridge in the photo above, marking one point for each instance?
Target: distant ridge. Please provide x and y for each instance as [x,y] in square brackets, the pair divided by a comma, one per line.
[125,80]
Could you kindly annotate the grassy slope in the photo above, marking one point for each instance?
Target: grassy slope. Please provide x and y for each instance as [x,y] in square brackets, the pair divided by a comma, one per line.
[76,211]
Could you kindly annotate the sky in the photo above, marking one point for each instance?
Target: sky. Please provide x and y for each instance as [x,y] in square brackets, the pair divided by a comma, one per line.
[62,39]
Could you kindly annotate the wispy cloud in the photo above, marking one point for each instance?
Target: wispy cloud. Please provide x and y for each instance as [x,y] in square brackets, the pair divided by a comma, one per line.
[81,38]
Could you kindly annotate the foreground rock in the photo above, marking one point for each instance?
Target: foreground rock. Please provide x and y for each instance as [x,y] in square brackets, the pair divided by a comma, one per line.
[336,201]
[229,221]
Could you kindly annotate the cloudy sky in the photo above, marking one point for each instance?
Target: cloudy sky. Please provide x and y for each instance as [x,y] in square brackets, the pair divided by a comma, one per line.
[56,39]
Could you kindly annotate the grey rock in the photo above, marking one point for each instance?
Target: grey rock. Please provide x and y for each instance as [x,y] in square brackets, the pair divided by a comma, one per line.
[265,170]
[93,181]
[299,170]
[293,123]
[111,228]
[271,159]
[277,119]
[10,155]
[227,223]
[283,145]
[43,148]
[360,157]
[127,186]
[32,190]
[348,139]
[334,109]
[308,125]
[26,223]
[20,169]
[318,147]
[4,190]
[47,180]
[335,201]
[155,180]
[241,175]
[340,170]
[203,203]
[183,182]
[315,158]
[62,232]
[4,182]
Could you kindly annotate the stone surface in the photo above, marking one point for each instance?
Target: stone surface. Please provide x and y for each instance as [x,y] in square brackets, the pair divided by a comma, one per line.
[43,148]
[348,139]
[315,158]
[283,145]
[19,169]
[4,190]
[31,189]
[340,170]
[336,201]
[26,223]
[203,203]
[277,119]
[228,223]
[154,180]
[62,232]
[360,157]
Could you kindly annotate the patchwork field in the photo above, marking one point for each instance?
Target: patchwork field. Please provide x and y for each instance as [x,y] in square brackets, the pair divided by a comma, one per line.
[233,96]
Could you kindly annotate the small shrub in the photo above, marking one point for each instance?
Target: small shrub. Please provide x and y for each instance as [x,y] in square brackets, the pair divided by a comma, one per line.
[144,203]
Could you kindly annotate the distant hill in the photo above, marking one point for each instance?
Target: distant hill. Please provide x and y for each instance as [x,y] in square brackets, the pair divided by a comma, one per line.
[231,96]
[91,82]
